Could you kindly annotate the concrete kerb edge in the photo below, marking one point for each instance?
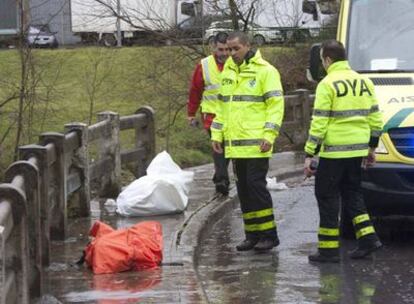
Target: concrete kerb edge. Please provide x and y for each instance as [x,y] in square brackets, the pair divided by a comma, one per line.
[197,230]
[201,223]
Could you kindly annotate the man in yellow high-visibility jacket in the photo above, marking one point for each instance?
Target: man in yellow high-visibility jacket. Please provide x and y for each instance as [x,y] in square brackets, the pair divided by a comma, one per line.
[345,130]
[248,123]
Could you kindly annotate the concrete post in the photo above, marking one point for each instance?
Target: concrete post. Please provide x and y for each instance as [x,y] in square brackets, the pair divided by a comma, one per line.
[30,225]
[80,161]
[8,288]
[42,156]
[110,147]
[145,137]
[57,203]
[306,113]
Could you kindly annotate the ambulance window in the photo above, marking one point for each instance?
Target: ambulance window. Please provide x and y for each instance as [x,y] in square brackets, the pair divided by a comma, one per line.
[381,35]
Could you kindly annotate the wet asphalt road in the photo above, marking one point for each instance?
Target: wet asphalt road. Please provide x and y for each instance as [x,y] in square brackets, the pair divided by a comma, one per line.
[284,274]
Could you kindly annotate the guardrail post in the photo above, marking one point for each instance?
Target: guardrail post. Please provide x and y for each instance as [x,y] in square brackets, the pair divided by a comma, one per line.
[145,137]
[80,162]
[8,284]
[41,154]
[304,95]
[30,225]
[17,250]
[57,207]
[305,116]
[110,147]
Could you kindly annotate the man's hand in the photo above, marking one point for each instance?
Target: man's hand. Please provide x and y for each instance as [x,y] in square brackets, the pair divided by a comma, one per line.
[265,146]
[307,167]
[192,121]
[217,147]
[370,160]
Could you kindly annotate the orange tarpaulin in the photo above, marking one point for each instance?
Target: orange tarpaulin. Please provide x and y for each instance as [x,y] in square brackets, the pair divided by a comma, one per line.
[136,248]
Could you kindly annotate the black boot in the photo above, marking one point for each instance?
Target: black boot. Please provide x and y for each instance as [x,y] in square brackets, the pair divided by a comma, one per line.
[323,258]
[266,244]
[247,244]
[362,251]
[222,187]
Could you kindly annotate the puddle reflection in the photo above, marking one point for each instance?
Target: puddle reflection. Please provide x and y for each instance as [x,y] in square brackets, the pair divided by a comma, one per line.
[128,287]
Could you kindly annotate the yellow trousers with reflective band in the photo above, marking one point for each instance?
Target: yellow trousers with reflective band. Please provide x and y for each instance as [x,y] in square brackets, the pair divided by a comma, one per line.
[339,181]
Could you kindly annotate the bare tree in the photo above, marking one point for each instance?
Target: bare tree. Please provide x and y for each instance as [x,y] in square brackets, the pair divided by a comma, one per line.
[162,82]
[239,11]
[22,94]
[94,77]
[25,66]
[50,92]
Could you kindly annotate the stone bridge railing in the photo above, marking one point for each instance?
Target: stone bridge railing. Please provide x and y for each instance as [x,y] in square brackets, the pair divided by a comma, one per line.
[58,173]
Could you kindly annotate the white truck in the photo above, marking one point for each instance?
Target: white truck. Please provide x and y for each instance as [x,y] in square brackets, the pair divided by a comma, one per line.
[286,17]
[288,13]
[96,20]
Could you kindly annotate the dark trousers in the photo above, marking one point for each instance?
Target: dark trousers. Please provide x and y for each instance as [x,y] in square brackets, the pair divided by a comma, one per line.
[221,165]
[339,181]
[255,200]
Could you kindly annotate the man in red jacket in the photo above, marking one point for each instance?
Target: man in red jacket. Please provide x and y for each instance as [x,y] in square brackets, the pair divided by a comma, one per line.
[203,94]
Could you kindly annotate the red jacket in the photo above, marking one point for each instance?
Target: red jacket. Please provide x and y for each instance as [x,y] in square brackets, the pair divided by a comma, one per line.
[196,94]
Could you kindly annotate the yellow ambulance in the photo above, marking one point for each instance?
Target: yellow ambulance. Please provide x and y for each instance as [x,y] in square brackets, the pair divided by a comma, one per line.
[379,38]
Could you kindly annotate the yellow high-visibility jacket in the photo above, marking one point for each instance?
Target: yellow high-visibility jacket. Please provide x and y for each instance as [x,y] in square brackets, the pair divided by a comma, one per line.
[211,77]
[346,116]
[251,109]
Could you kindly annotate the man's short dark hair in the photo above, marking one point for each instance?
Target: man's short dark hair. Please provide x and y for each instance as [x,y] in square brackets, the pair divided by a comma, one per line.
[220,38]
[334,50]
[242,36]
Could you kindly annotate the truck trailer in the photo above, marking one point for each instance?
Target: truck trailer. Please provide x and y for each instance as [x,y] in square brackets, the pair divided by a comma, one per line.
[11,18]
[285,17]
[105,20]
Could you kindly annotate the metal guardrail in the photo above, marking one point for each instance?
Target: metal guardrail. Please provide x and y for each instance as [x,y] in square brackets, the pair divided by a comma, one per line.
[52,176]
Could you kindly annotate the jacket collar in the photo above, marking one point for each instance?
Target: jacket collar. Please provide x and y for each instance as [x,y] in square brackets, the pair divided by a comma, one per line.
[249,55]
[215,59]
[253,56]
[339,66]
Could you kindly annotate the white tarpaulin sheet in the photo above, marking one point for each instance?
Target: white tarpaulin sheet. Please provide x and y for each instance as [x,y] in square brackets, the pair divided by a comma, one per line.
[163,190]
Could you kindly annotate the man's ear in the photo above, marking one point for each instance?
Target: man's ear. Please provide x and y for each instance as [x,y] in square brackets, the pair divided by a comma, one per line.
[328,60]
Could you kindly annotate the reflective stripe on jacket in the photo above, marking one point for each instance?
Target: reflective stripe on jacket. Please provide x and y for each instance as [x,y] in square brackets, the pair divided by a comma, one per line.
[251,109]
[211,77]
[346,114]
